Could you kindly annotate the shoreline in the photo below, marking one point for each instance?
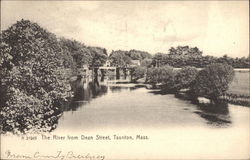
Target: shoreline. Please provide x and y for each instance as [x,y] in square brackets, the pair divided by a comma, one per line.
[236,99]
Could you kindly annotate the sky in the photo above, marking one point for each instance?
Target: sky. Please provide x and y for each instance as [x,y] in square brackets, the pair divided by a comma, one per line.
[215,27]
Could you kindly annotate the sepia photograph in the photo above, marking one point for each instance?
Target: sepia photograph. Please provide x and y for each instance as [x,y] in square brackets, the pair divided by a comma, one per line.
[124,80]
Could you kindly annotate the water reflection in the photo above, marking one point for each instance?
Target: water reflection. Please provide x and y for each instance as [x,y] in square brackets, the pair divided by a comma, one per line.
[134,105]
[215,114]
[117,89]
[84,91]
[137,86]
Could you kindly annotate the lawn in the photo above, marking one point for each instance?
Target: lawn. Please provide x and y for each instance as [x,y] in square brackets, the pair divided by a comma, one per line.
[240,84]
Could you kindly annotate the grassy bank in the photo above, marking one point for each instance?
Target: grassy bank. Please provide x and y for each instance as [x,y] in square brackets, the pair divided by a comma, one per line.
[239,89]
[240,84]
[237,99]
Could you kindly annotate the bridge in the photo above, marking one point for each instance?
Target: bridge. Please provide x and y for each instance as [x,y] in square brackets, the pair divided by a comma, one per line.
[90,72]
[93,71]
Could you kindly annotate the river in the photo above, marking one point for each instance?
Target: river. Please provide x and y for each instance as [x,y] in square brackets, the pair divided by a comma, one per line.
[171,127]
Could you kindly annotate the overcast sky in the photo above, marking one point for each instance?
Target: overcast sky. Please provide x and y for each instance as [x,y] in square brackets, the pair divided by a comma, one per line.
[217,28]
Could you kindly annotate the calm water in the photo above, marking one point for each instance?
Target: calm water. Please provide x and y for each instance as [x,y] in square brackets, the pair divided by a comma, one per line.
[128,105]
[176,128]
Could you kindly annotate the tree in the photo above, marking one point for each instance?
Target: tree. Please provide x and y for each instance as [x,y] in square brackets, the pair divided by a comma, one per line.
[185,78]
[146,63]
[120,59]
[158,59]
[137,73]
[163,75]
[33,85]
[185,51]
[152,76]
[166,77]
[226,59]
[99,56]
[76,53]
[213,81]
[138,55]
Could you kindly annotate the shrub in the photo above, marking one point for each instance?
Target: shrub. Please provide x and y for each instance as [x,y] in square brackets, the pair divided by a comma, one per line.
[152,74]
[162,75]
[137,73]
[213,81]
[185,78]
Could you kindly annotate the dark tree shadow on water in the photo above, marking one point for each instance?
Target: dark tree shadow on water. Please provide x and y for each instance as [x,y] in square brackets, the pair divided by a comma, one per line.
[137,87]
[162,92]
[84,93]
[215,114]
[159,92]
[116,89]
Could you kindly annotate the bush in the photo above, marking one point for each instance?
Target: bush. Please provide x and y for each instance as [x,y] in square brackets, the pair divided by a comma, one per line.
[31,75]
[152,74]
[137,73]
[213,81]
[162,75]
[185,78]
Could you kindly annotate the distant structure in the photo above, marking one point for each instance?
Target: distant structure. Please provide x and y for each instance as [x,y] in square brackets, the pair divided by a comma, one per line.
[107,66]
[135,63]
[87,72]
[107,63]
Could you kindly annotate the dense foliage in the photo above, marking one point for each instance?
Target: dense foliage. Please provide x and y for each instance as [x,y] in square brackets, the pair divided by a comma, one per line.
[77,54]
[137,72]
[185,77]
[122,59]
[213,81]
[99,56]
[182,56]
[138,55]
[162,75]
[146,63]
[210,82]
[33,86]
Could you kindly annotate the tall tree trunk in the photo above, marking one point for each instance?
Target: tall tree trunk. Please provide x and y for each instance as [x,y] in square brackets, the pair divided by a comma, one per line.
[95,73]
[117,73]
[102,75]
[125,73]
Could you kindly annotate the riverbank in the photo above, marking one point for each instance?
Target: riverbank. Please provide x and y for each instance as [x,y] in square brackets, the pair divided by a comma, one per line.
[167,121]
[237,99]
[238,92]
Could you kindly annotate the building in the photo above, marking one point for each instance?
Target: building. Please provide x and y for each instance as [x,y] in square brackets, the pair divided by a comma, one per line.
[107,64]
[135,63]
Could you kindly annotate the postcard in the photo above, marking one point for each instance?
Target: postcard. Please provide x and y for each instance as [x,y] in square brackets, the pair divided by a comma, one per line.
[116,80]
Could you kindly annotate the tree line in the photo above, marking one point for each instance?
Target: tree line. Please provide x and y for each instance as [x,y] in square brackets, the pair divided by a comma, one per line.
[211,82]
[177,57]
[182,56]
